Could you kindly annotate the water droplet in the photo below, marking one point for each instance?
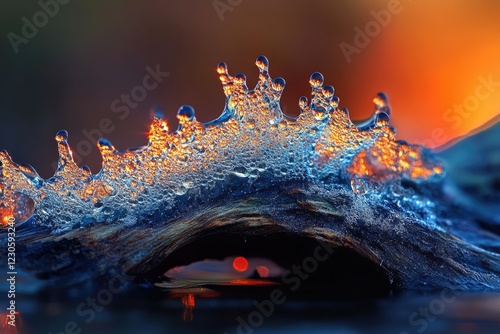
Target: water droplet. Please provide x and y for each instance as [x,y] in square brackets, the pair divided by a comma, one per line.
[186,112]
[262,63]
[382,103]
[335,101]
[158,114]
[278,84]
[303,102]
[86,169]
[104,144]
[22,209]
[62,136]
[320,114]
[180,191]
[359,186]
[222,68]
[240,171]
[251,124]
[240,79]
[188,184]
[251,139]
[65,155]
[382,119]
[328,92]
[316,80]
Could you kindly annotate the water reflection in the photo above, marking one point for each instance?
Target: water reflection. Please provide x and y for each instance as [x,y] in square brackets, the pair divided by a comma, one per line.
[149,311]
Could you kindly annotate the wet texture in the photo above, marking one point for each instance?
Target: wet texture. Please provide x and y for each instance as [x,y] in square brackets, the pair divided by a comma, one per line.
[255,172]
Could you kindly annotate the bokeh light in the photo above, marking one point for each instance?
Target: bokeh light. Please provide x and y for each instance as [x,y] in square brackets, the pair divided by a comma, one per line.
[240,264]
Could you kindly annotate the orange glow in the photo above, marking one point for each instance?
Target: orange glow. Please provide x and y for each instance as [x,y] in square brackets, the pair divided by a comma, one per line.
[188,301]
[433,66]
[381,160]
[386,159]
[240,264]
[196,292]
[194,153]
[5,216]
[9,329]
[251,282]
[262,271]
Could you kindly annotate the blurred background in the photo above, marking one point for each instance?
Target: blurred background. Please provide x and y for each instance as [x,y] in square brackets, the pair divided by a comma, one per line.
[437,60]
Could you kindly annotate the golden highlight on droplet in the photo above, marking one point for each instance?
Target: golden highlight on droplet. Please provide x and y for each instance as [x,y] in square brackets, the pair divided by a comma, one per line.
[251,138]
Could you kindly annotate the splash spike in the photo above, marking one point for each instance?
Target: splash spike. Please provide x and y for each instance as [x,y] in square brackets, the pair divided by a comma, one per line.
[106,148]
[157,113]
[303,103]
[251,141]
[62,136]
[65,154]
[381,102]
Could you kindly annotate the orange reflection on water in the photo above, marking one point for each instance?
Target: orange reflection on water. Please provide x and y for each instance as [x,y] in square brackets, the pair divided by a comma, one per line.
[188,302]
[7,327]
[250,282]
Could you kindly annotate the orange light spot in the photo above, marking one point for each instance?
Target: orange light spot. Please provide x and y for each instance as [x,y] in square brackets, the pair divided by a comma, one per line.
[262,271]
[188,301]
[240,264]
[6,216]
